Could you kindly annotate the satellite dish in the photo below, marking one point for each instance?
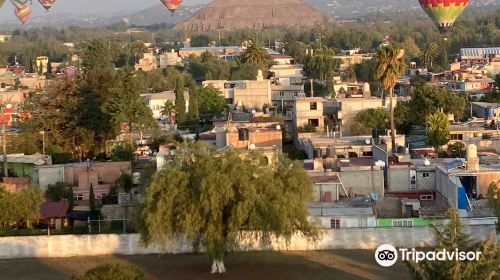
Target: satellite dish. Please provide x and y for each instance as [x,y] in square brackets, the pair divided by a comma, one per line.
[8,106]
[427,162]
[278,127]
[251,147]
[368,142]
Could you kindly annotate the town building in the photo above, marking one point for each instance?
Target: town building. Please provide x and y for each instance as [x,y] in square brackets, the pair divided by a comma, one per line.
[473,56]
[222,52]
[156,101]
[147,63]
[248,94]
[101,175]
[5,37]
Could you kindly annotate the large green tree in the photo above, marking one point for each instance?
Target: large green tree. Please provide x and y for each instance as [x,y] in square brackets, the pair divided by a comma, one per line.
[438,129]
[391,65]
[450,237]
[209,199]
[193,109]
[369,119]
[256,55]
[211,101]
[127,106]
[321,64]
[180,101]
[430,54]
[21,208]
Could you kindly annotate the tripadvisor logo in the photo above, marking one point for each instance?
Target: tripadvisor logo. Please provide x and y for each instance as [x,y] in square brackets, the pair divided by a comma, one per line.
[387,255]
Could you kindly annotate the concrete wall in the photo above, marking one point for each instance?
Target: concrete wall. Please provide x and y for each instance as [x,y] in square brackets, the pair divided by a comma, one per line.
[61,246]
[446,186]
[363,182]
[46,175]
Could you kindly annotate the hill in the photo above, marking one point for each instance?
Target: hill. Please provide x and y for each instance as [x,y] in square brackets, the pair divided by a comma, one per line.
[237,14]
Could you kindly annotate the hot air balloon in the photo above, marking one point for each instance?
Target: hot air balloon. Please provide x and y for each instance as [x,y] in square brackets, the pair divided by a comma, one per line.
[444,13]
[23,14]
[47,4]
[172,5]
[19,3]
[1,3]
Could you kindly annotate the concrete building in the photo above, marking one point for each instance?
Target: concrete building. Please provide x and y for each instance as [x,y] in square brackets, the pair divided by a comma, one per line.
[354,90]
[308,111]
[482,134]
[5,37]
[147,63]
[156,101]
[245,94]
[167,59]
[222,52]
[472,56]
[486,110]
[42,63]
[101,175]
[471,85]
[46,175]
[352,59]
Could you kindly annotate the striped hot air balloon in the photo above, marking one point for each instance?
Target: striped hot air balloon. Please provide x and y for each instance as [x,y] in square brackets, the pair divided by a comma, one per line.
[444,13]
[47,4]
[23,14]
[19,3]
[172,5]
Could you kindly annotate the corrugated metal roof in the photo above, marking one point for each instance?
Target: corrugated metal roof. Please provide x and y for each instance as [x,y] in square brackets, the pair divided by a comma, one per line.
[50,210]
[479,52]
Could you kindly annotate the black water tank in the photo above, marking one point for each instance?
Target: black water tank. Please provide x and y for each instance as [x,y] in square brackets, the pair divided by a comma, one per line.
[242,134]
[375,133]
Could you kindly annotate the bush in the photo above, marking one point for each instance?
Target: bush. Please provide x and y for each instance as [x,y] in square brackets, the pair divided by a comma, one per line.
[308,128]
[112,271]
[122,152]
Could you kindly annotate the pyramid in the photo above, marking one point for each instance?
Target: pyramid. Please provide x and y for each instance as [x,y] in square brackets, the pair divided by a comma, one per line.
[238,14]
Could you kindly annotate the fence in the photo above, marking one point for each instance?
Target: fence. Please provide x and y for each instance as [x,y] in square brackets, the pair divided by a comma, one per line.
[59,246]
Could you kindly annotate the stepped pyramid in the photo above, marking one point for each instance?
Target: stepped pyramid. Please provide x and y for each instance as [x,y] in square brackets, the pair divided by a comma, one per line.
[238,14]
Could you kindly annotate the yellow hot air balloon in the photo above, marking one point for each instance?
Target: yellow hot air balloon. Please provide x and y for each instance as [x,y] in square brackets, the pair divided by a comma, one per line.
[444,13]
[23,14]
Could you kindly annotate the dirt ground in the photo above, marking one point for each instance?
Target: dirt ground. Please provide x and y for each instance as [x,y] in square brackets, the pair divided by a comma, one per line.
[338,264]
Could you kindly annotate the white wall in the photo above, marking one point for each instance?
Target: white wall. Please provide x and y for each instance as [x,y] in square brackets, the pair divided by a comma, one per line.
[107,244]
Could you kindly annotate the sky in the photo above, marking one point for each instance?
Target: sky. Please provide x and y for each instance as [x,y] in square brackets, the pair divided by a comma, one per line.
[88,6]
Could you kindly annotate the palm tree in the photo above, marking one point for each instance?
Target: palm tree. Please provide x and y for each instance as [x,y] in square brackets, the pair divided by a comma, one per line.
[390,66]
[430,53]
[169,110]
[256,54]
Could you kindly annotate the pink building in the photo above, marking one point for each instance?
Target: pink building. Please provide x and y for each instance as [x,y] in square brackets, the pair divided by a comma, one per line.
[102,175]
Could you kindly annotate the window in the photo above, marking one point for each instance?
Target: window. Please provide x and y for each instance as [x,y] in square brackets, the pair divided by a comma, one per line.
[427,197]
[402,223]
[78,196]
[314,122]
[426,174]
[282,93]
[313,106]
[295,93]
[456,137]
[334,223]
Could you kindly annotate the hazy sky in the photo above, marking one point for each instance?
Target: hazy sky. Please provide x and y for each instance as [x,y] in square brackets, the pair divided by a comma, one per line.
[88,6]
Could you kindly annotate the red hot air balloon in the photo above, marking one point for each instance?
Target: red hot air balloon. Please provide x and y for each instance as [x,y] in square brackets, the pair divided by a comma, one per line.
[19,3]
[444,13]
[172,5]
[47,4]
[23,14]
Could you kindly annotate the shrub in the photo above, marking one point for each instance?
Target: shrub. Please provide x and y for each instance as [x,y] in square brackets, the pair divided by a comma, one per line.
[122,152]
[112,271]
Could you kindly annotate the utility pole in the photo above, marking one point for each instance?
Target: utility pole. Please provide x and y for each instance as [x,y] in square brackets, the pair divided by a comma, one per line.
[4,145]
[312,87]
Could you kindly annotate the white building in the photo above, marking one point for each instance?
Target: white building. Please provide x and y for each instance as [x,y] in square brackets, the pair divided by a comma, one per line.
[156,101]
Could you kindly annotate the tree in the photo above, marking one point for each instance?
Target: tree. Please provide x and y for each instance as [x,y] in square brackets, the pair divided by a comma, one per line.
[494,199]
[122,151]
[125,182]
[211,101]
[369,119]
[92,204]
[19,208]
[180,102]
[256,55]
[244,71]
[497,81]
[322,64]
[457,150]
[168,109]
[193,110]
[57,192]
[411,48]
[391,65]
[452,237]
[208,199]
[438,129]
[430,53]
[112,271]
[127,106]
